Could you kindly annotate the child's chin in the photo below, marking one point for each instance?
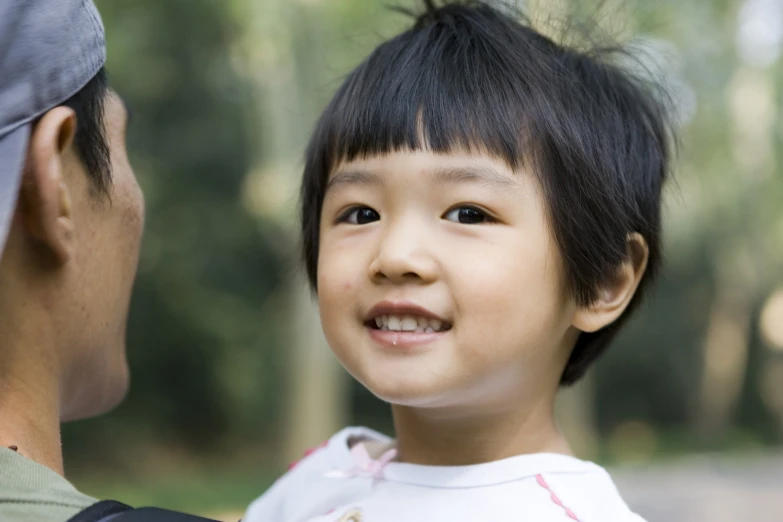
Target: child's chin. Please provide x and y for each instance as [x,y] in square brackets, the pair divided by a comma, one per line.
[407,391]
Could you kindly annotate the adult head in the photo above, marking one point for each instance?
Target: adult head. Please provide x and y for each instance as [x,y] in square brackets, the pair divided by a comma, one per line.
[71,219]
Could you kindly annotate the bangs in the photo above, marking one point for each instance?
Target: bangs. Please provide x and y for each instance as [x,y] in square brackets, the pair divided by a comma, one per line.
[427,89]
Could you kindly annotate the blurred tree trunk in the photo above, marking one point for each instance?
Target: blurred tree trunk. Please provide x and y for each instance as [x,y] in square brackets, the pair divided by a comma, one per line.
[317,401]
[725,352]
[739,272]
[281,46]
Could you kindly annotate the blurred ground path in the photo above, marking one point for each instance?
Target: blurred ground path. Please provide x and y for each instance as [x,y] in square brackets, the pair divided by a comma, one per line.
[231,516]
[706,489]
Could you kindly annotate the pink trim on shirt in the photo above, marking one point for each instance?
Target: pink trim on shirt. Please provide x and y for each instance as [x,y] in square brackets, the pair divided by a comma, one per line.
[555,498]
[364,464]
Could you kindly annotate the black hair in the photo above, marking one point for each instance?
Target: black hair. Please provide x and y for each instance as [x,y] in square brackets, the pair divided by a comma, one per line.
[91,141]
[467,76]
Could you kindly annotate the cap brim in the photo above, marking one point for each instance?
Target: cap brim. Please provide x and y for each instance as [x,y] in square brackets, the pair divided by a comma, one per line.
[13,150]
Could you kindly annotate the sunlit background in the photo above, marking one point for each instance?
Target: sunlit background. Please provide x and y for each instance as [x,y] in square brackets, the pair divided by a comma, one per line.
[231,377]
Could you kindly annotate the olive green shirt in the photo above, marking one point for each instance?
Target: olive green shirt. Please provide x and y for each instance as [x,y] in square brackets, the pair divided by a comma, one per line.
[30,492]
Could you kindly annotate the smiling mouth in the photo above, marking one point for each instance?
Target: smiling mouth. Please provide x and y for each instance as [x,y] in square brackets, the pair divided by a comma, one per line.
[407,324]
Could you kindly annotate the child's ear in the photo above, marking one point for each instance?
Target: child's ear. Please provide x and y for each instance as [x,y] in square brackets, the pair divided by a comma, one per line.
[45,197]
[614,297]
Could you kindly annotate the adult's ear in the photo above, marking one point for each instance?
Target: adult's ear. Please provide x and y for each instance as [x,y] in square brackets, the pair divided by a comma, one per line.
[615,296]
[45,197]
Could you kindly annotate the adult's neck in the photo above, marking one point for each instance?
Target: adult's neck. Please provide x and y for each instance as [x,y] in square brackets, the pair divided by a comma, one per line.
[29,384]
[454,436]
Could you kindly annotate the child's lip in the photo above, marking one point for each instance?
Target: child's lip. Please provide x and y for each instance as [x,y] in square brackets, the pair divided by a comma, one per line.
[402,340]
[389,307]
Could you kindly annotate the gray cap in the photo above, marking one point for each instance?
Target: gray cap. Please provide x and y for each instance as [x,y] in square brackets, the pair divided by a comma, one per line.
[49,50]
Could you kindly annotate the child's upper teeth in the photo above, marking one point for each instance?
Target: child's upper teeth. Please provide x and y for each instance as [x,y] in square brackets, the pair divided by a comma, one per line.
[408,323]
[394,323]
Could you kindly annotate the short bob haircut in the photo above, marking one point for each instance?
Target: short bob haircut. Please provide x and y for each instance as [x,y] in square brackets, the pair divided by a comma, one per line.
[467,76]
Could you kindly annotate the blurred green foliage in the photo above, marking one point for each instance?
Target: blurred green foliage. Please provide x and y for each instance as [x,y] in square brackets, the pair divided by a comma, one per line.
[204,332]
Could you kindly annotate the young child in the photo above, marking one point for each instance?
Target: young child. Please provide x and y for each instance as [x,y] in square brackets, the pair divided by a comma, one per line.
[481,214]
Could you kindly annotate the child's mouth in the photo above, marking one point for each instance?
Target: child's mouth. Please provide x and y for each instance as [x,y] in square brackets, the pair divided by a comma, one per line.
[407,324]
[404,324]
[406,331]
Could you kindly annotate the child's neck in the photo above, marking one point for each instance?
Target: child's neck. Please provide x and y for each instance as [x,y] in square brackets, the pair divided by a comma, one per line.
[451,437]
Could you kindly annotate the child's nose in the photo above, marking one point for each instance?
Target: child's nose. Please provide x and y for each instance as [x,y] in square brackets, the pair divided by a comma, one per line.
[404,255]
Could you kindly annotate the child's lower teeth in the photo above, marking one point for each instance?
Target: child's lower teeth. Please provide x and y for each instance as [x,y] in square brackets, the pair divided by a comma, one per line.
[417,330]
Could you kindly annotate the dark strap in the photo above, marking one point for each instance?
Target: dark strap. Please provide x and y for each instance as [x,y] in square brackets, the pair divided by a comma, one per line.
[100,511]
[113,511]
[156,515]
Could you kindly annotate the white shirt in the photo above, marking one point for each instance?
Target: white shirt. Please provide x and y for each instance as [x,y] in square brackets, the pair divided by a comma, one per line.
[338,484]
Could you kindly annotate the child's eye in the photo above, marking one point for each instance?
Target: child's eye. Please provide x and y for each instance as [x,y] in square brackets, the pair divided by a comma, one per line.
[467,215]
[359,216]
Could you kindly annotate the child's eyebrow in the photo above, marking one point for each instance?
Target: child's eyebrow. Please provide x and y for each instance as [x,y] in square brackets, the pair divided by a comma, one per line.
[354,177]
[473,174]
[484,175]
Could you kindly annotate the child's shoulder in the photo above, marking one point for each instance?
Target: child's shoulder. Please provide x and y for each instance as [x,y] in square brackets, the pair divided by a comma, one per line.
[539,487]
[309,487]
[587,495]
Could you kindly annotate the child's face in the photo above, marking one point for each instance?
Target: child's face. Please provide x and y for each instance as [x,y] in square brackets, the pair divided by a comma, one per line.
[458,249]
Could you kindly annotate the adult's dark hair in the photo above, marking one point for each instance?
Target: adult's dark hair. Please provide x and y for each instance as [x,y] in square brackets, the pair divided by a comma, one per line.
[467,76]
[90,141]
